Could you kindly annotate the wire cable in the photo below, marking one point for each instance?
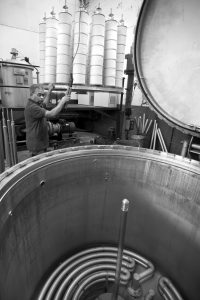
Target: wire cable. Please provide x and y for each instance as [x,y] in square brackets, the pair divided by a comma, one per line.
[19,28]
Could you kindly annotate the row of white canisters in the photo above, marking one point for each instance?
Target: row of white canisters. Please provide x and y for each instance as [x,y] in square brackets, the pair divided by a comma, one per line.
[95,54]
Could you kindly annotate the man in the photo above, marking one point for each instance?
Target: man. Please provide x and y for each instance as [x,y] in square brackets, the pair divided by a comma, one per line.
[36,114]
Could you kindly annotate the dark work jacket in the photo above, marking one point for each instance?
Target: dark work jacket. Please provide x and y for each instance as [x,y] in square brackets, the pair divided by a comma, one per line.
[37,138]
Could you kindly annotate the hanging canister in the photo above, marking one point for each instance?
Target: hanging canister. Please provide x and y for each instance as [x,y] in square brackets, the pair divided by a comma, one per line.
[42,38]
[80,51]
[110,51]
[97,47]
[121,45]
[64,51]
[51,48]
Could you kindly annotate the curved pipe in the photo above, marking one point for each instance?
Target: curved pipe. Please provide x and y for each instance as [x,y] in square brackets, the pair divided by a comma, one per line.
[96,282]
[124,277]
[77,259]
[166,287]
[93,279]
[95,262]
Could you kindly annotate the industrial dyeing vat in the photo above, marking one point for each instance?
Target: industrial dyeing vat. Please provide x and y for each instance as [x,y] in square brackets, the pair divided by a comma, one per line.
[60,211]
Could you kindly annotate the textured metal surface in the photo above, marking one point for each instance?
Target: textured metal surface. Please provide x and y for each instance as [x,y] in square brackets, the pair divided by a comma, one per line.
[167,54]
[61,201]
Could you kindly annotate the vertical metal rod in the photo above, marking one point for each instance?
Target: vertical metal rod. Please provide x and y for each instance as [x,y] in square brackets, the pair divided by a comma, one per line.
[6,142]
[163,140]
[10,137]
[146,130]
[2,163]
[155,135]
[123,219]
[14,138]
[152,136]
[184,148]
[160,140]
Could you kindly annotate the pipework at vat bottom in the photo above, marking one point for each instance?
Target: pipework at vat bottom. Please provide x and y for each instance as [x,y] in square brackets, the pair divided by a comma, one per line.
[108,273]
[90,275]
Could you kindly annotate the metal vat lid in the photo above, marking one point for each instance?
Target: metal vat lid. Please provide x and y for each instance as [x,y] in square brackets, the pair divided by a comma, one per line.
[167,60]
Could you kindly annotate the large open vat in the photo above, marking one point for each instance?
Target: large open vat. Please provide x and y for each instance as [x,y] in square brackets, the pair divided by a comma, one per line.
[59,203]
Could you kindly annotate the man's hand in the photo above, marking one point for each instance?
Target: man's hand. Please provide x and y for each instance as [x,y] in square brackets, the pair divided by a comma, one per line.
[68,91]
[50,87]
[66,98]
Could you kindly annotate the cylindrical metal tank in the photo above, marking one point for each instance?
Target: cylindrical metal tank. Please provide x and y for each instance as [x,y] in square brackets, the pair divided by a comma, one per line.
[64,51]
[16,78]
[51,49]
[59,202]
[81,36]
[121,46]
[42,40]
[110,51]
[97,48]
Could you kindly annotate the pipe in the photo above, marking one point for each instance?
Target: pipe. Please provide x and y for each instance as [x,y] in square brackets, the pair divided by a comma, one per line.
[162,140]
[2,163]
[152,136]
[6,142]
[194,146]
[80,261]
[94,278]
[141,277]
[184,148]
[100,280]
[67,266]
[10,138]
[124,212]
[14,139]
[155,135]
[145,125]
[168,288]
[86,271]
[146,130]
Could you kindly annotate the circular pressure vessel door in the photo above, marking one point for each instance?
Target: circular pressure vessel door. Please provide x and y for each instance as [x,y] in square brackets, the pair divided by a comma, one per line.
[167,60]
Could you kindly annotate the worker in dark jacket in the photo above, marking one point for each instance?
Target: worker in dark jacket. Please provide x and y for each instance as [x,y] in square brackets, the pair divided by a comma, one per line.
[36,114]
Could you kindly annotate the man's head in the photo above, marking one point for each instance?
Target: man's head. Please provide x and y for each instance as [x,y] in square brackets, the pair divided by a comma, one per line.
[37,93]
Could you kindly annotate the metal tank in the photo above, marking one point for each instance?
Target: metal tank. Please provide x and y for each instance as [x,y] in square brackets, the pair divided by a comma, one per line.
[60,211]
[56,204]
[15,79]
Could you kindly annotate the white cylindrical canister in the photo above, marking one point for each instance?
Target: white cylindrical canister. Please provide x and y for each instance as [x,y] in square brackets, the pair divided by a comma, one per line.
[110,63]
[64,59]
[110,80]
[80,46]
[50,49]
[80,59]
[110,51]
[96,60]
[121,45]
[97,48]
[42,37]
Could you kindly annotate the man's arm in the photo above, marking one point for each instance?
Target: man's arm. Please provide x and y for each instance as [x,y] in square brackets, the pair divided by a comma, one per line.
[55,111]
[47,97]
